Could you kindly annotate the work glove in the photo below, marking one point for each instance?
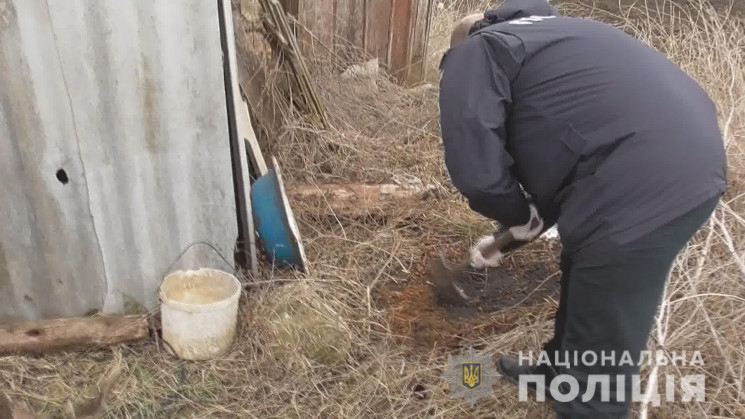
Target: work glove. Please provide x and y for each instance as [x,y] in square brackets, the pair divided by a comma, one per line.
[479,261]
[525,233]
[530,230]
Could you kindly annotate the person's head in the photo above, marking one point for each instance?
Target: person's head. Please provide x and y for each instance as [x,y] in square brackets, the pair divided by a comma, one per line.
[462,28]
[509,10]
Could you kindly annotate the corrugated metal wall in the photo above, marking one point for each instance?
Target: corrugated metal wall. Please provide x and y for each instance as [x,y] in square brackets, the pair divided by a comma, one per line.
[114,151]
[395,31]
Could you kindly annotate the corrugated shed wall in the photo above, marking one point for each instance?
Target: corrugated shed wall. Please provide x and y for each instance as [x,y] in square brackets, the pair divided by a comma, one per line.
[114,151]
[395,31]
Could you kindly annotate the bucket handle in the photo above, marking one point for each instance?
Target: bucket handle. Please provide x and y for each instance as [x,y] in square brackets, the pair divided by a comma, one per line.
[181,254]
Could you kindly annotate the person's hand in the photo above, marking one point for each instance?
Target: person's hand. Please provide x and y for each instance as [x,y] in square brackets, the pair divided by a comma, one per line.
[529,230]
[478,260]
[524,233]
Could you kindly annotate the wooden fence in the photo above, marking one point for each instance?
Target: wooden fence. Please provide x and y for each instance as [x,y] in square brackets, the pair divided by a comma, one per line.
[394,31]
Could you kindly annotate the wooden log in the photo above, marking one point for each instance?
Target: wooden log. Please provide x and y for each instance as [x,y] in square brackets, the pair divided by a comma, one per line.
[344,192]
[43,336]
[357,197]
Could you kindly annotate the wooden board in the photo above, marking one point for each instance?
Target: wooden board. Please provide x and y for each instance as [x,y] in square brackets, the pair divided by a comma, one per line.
[323,26]
[246,248]
[356,197]
[377,24]
[400,29]
[252,144]
[419,41]
[341,25]
[394,31]
[308,25]
[355,31]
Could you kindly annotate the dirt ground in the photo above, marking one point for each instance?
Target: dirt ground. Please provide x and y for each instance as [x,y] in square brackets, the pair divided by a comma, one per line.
[527,283]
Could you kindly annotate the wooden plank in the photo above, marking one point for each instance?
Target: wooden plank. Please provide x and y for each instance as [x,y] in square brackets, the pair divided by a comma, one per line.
[419,39]
[317,34]
[350,25]
[427,30]
[44,336]
[292,9]
[252,143]
[341,26]
[395,31]
[325,28]
[317,17]
[400,30]
[355,197]
[246,248]
[306,17]
[377,28]
[356,28]
[412,39]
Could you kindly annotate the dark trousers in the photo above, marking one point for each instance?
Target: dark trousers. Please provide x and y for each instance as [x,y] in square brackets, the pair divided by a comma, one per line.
[608,303]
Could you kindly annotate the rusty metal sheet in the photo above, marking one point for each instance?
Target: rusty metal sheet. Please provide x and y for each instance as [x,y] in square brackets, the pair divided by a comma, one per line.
[114,152]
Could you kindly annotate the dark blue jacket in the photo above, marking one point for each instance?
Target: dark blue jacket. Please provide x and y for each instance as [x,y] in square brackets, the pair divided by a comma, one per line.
[608,137]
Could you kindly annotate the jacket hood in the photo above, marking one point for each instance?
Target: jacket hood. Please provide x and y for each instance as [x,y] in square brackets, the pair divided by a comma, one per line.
[515,9]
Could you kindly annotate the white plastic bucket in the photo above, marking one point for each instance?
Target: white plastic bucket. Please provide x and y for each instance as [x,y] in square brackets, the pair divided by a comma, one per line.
[199,312]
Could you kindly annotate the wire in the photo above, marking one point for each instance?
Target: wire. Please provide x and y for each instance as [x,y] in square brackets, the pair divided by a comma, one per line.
[187,248]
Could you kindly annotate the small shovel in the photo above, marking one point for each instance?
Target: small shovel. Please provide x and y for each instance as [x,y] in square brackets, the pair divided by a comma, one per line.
[445,280]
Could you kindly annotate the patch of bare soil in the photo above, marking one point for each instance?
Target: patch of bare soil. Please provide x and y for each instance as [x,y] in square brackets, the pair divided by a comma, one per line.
[507,287]
[527,284]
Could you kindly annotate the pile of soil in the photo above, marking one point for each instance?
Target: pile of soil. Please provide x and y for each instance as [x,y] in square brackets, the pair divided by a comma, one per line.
[527,284]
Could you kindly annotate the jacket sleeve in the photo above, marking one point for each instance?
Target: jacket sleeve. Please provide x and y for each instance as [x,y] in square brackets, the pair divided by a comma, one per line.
[474,99]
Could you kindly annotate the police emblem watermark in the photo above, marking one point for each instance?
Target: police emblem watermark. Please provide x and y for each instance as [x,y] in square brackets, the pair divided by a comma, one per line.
[471,376]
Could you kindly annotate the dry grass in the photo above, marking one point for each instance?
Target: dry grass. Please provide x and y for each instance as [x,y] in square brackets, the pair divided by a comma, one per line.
[322,345]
